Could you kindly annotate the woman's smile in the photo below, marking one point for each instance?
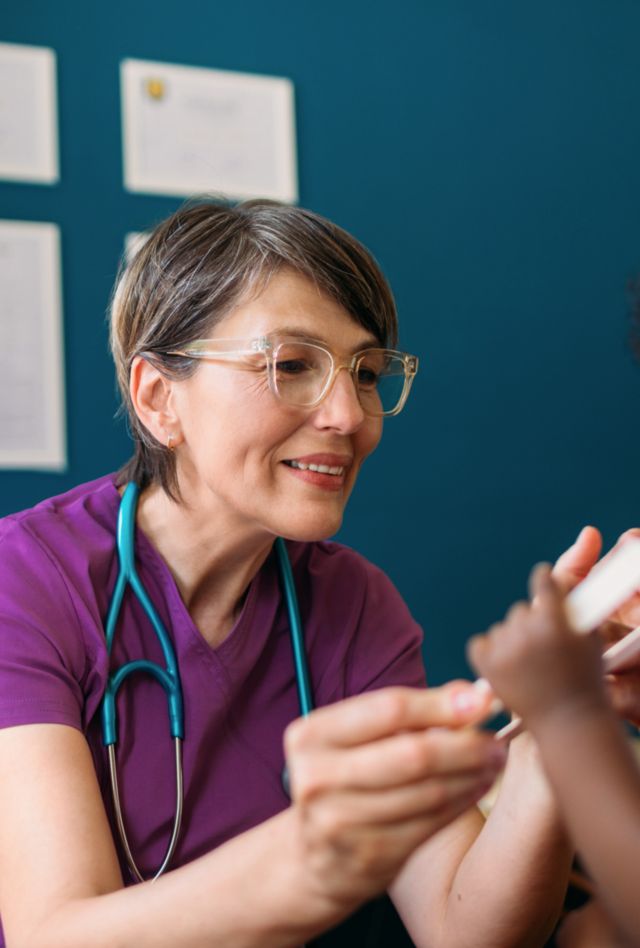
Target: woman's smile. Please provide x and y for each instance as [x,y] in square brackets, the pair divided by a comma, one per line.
[326,471]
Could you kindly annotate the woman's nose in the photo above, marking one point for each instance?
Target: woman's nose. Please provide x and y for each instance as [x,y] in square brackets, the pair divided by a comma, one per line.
[341,408]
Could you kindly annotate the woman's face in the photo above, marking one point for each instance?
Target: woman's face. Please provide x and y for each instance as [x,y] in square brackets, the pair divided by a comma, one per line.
[238,439]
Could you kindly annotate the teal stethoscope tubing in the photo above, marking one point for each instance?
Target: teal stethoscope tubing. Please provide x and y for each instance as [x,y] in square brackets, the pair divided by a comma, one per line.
[169,676]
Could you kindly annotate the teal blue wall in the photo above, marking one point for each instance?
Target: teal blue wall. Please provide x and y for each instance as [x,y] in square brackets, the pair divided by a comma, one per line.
[489,154]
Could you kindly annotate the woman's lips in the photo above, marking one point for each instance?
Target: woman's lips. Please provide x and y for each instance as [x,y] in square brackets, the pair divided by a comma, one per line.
[329,477]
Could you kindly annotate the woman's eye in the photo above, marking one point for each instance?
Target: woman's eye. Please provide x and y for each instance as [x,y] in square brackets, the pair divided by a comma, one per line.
[367,378]
[292,366]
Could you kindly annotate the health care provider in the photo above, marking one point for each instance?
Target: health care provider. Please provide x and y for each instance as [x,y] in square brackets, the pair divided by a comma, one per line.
[227,460]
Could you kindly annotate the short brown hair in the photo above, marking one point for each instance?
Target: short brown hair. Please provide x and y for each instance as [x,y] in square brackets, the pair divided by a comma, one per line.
[200,263]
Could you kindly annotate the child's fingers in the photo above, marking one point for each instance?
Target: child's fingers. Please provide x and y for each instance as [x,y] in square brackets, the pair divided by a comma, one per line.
[516,616]
[541,584]
[545,592]
[478,648]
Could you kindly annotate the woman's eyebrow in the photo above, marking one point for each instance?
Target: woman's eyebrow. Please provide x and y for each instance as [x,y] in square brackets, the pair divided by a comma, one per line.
[367,342]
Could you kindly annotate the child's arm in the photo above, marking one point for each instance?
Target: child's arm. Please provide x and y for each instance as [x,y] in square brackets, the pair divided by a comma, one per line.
[552,677]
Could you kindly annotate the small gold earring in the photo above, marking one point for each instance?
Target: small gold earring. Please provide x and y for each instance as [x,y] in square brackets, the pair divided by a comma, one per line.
[170,443]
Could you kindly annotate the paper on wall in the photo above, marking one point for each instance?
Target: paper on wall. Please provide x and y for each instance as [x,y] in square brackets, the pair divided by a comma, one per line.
[189,130]
[28,114]
[32,430]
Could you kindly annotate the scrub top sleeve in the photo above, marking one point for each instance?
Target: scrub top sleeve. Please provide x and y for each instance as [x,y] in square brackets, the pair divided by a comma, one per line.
[42,656]
[387,649]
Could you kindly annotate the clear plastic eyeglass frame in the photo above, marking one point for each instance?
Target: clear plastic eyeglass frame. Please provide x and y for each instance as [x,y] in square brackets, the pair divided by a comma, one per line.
[270,347]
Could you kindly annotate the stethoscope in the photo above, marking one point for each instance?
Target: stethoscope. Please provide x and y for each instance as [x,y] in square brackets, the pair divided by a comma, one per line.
[169,677]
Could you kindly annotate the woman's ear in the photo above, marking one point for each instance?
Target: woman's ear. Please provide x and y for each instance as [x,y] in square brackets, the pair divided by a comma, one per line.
[151,395]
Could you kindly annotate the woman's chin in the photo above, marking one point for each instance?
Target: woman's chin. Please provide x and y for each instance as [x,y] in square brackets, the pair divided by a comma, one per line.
[309,531]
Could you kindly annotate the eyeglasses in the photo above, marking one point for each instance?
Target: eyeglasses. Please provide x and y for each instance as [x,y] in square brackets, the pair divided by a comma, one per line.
[302,373]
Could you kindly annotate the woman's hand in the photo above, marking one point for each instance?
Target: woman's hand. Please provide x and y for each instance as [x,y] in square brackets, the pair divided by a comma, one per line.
[374,776]
[536,663]
[574,564]
[570,569]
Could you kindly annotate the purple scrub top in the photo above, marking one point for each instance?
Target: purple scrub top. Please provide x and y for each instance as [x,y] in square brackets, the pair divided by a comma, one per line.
[57,572]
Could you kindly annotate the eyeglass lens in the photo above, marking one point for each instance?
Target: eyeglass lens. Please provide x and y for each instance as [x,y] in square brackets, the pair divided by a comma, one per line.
[302,370]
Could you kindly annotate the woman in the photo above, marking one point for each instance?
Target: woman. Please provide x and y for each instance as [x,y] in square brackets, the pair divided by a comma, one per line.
[230,330]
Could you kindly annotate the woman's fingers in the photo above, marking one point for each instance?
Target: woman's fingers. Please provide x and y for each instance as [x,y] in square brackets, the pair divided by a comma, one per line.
[379,714]
[576,562]
[405,758]
[374,776]
[423,799]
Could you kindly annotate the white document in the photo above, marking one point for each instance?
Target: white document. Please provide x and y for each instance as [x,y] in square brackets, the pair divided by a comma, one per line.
[188,130]
[32,430]
[28,114]
[133,242]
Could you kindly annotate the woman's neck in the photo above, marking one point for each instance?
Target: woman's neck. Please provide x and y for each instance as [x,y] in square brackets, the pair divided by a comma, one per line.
[212,560]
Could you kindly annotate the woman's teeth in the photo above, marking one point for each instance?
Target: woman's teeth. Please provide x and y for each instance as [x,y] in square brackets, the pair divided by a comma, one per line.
[320,468]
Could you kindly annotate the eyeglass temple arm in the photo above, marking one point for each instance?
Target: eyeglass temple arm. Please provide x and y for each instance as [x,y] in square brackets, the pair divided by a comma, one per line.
[198,349]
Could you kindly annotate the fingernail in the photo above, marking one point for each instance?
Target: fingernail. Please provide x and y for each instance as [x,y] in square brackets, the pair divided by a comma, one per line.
[475,697]
[483,688]
[467,699]
[586,527]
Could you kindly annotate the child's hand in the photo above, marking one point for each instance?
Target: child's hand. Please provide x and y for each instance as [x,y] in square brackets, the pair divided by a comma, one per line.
[535,662]
[570,569]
